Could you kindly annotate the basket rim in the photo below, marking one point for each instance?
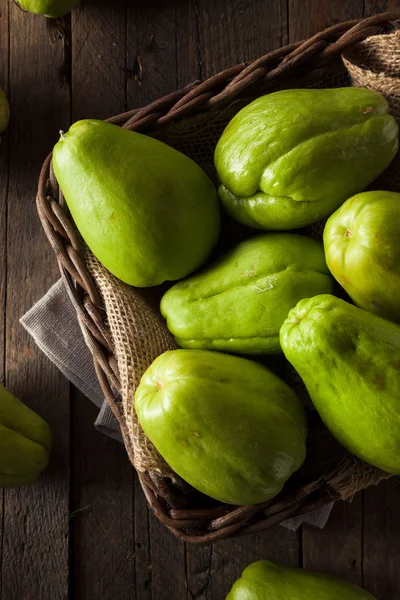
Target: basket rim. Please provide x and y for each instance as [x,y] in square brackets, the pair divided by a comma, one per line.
[312,54]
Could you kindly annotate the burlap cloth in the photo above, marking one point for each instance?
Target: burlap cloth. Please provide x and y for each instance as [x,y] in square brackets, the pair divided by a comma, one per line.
[137,328]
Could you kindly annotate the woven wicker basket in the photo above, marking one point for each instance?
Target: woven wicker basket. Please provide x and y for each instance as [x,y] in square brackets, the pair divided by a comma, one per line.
[192,119]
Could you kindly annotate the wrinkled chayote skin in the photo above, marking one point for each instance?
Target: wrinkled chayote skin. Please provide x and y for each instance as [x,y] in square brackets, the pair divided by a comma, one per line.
[4,111]
[239,303]
[25,442]
[362,247]
[147,212]
[49,8]
[227,425]
[265,580]
[293,157]
[349,360]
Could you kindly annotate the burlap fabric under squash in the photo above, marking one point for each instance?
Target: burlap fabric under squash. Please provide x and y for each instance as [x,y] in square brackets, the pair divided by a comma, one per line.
[137,328]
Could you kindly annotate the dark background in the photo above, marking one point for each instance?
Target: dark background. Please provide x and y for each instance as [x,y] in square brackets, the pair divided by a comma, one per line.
[109,56]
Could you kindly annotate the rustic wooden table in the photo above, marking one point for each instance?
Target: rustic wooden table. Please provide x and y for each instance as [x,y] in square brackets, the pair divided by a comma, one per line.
[83,530]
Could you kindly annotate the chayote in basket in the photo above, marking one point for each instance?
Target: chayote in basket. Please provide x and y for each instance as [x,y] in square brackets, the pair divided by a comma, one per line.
[25,442]
[362,247]
[240,302]
[147,212]
[265,580]
[292,157]
[227,425]
[349,360]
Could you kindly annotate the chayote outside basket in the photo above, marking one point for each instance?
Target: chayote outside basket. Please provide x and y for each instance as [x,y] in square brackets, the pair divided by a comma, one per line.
[122,325]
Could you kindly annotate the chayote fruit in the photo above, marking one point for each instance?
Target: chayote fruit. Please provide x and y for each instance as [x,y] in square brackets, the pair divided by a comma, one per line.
[265,580]
[49,8]
[349,360]
[362,247]
[239,303]
[25,442]
[4,111]
[226,425]
[291,158]
[147,212]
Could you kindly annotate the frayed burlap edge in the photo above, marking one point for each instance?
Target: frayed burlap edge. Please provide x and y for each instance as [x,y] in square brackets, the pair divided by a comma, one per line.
[139,336]
[353,475]
[375,64]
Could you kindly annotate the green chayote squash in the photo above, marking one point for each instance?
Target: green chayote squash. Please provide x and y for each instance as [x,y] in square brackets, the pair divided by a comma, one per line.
[4,111]
[147,212]
[349,360]
[227,425]
[362,247]
[293,157]
[49,8]
[25,442]
[265,580]
[239,303]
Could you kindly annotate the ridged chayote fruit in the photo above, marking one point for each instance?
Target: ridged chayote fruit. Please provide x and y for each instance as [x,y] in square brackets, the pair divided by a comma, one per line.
[49,8]
[226,425]
[25,442]
[349,360]
[265,580]
[4,111]
[291,158]
[239,303]
[147,212]
[362,247]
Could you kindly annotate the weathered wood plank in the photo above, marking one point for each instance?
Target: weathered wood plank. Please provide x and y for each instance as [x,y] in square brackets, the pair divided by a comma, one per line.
[373,7]
[241,30]
[143,560]
[102,478]
[35,543]
[189,58]
[325,550]
[98,59]
[229,33]
[337,549]
[212,570]
[311,16]
[381,558]
[381,520]
[152,51]
[103,556]
[167,566]
[152,72]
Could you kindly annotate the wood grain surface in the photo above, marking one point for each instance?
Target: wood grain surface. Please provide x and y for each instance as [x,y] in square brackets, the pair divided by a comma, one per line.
[35,542]
[83,531]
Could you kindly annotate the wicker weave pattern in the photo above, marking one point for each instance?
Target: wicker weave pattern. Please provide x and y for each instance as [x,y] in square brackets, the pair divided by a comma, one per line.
[191,120]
